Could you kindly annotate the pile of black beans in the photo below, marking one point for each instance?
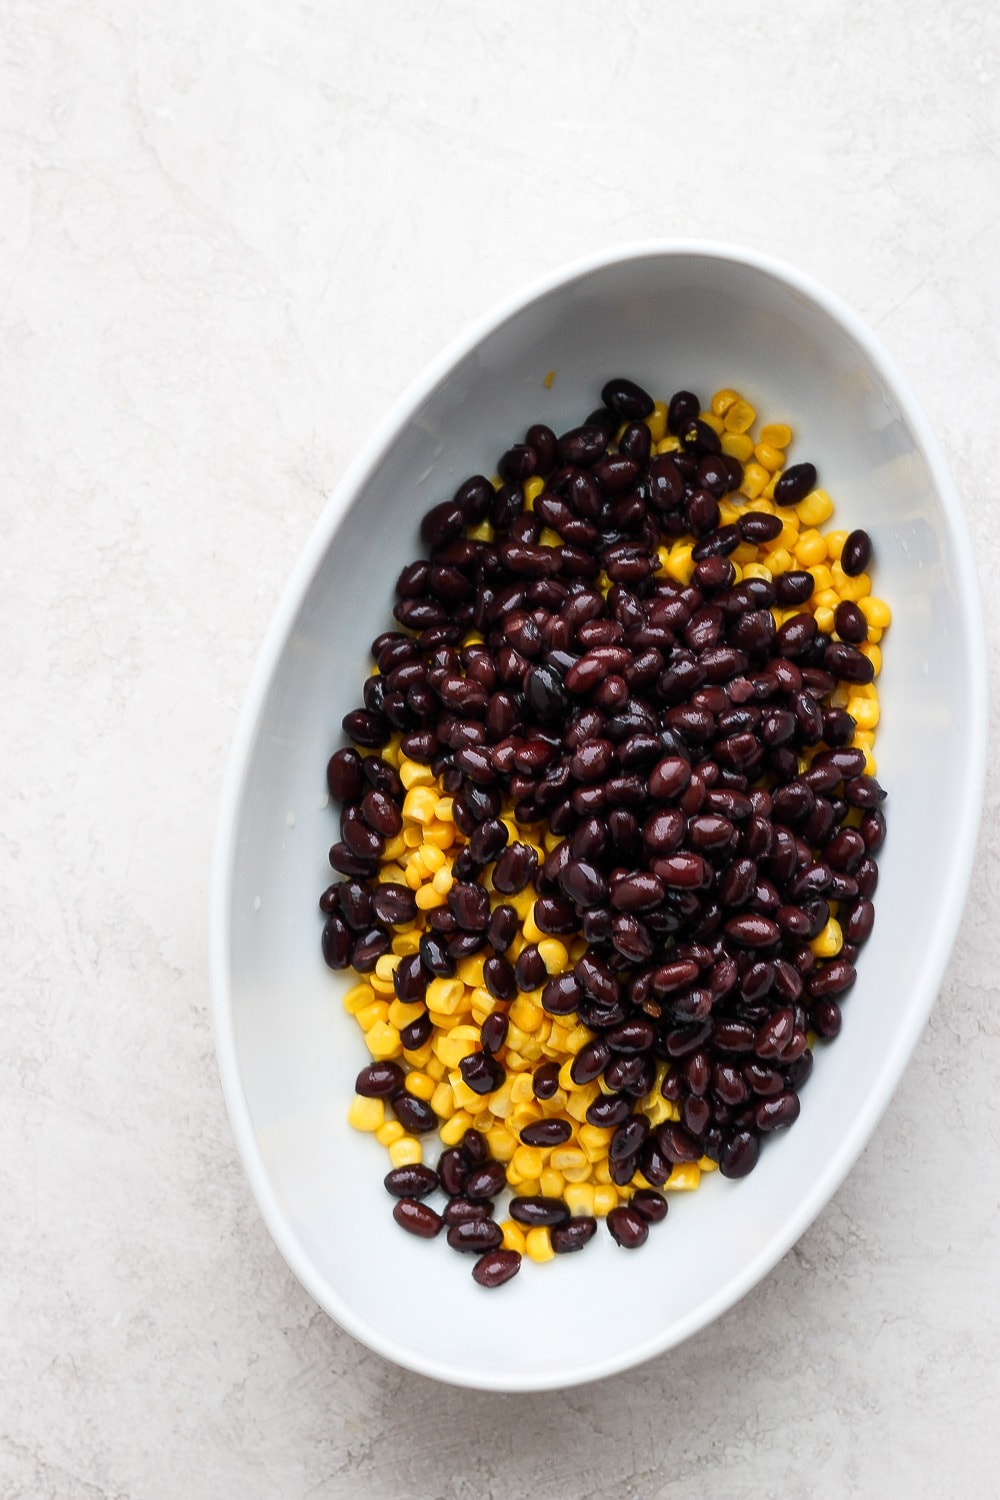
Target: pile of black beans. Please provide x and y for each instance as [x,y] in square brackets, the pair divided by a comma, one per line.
[660,730]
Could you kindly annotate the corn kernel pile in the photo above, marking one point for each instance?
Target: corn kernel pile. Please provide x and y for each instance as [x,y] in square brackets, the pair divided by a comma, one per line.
[421,856]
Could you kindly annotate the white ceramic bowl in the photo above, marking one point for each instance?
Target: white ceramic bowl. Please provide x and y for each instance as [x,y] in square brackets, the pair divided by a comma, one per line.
[668,315]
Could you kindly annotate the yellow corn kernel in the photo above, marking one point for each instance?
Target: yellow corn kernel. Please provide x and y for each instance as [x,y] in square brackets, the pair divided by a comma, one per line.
[443,881]
[382,1041]
[406,1152]
[532,931]
[810,548]
[740,416]
[728,512]
[828,943]
[528,1160]
[683,1179]
[816,508]
[776,434]
[444,810]
[875,611]
[723,400]
[385,965]
[401,1015]
[864,711]
[431,857]
[439,836]
[553,955]
[375,1010]
[470,970]
[873,653]
[427,898]
[669,444]
[366,1114]
[513,1235]
[443,1100]
[605,1199]
[413,836]
[737,445]
[412,773]
[566,1077]
[522,1089]
[418,1083]
[538,1244]
[532,489]
[657,422]
[780,560]
[524,1013]
[420,1057]
[525,1114]
[445,995]
[567,1158]
[769,457]
[824,618]
[579,1197]
[452,1131]
[757,570]
[680,564]
[755,477]
[419,804]
[482,532]
[552,1183]
[357,997]
[711,420]
[465,1097]
[658,1110]
[389,1132]
[393,850]
[501,1143]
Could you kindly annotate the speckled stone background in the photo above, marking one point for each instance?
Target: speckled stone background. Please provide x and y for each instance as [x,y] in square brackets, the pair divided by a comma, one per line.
[230,233]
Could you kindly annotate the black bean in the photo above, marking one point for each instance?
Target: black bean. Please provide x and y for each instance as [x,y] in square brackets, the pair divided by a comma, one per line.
[380,1080]
[627,1227]
[496,1267]
[538,1210]
[574,1234]
[649,1205]
[856,554]
[795,483]
[417,1218]
[551,1132]
[485,1181]
[475,1235]
[740,1154]
[415,1115]
[626,399]
[414,1181]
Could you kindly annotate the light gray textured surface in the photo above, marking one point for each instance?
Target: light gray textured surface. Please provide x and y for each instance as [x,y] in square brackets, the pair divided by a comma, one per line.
[231,232]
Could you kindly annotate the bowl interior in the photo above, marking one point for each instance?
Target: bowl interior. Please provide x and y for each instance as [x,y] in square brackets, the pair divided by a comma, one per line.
[289,1053]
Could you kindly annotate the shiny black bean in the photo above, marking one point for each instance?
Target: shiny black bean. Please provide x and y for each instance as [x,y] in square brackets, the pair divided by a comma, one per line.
[415,1115]
[545,1080]
[574,1234]
[343,776]
[414,1181]
[481,1073]
[740,1154]
[795,483]
[475,1235]
[550,1132]
[627,1227]
[380,1080]
[393,904]
[496,1267]
[338,943]
[539,1210]
[856,554]
[417,1218]
[493,1033]
[649,1205]
[485,1181]
[626,399]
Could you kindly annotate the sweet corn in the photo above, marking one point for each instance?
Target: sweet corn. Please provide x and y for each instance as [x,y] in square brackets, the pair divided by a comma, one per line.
[406,1152]
[538,1244]
[366,1114]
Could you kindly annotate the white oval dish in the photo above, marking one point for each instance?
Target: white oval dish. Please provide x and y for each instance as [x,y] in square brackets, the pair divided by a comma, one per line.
[669,315]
